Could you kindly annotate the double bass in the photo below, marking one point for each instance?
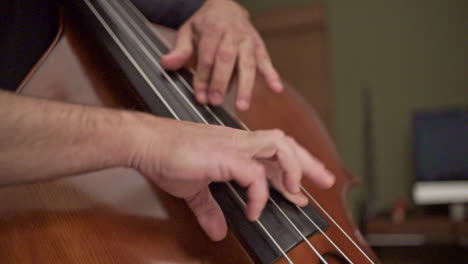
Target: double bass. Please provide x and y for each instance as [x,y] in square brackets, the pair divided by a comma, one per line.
[111,59]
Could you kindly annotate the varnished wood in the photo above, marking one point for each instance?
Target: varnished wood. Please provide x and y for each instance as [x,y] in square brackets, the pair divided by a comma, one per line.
[116,216]
[111,216]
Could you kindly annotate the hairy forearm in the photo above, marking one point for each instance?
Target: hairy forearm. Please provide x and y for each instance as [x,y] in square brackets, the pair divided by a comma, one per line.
[41,139]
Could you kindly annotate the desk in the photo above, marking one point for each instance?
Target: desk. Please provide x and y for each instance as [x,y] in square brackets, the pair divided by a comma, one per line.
[419,239]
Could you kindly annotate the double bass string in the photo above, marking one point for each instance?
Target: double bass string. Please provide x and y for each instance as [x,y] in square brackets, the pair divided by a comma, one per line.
[158,66]
[155,49]
[315,224]
[217,118]
[298,231]
[260,224]
[335,223]
[325,235]
[219,121]
[177,88]
[132,60]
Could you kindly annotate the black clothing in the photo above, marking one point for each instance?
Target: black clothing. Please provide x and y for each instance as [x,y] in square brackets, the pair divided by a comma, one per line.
[27,27]
[26,30]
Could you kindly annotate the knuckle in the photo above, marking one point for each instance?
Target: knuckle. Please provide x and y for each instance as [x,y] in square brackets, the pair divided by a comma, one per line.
[199,84]
[240,31]
[262,54]
[223,172]
[225,54]
[297,175]
[278,134]
[259,44]
[260,172]
[256,133]
[206,62]
[218,85]
[212,26]
[290,139]
[260,47]
[263,57]
[244,11]
[248,64]
[186,50]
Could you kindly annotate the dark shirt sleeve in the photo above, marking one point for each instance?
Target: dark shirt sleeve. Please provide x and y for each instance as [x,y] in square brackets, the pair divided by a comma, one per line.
[170,13]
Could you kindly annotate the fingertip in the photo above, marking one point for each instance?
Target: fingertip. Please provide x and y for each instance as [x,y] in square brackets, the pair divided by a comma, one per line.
[165,60]
[216,98]
[293,187]
[208,213]
[201,97]
[298,199]
[175,59]
[302,200]
[292,181]
[258,199]
[329,180]
[277,86]
[169,62]
[242,104]
[255,205]
[219,233]
[252,214]
[325,179]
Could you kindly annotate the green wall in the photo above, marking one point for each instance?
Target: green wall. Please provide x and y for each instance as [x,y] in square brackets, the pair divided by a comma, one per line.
[412,54]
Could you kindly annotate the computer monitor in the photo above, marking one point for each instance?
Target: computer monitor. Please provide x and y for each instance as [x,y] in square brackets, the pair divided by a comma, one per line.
[440,141]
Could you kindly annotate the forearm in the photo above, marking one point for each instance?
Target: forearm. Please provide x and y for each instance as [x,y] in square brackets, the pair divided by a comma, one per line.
[42,139]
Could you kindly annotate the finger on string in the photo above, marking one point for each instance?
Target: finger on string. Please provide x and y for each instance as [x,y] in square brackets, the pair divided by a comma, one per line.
[207,48]
[274,144]
[257,193]
[249,174]
[288,160]
[313,168]
[246,74]
[222,71]
[208,214]
[274,174]
[182,50]
[265,66]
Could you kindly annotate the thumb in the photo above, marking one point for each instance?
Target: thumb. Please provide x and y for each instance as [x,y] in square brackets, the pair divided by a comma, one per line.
[208,214]
[182,50]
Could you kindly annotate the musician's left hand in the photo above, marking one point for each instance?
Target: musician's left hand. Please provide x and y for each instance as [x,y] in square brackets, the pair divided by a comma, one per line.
[221,35]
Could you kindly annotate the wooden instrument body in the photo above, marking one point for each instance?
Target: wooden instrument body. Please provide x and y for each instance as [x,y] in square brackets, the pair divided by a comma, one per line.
[115,215]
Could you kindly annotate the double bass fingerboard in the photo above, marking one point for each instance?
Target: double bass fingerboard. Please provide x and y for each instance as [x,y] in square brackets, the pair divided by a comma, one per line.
[122,32]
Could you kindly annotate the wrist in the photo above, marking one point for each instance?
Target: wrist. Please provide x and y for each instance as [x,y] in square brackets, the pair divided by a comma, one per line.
[140,133]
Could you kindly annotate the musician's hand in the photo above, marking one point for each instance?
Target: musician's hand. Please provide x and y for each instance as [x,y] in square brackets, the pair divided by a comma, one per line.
[224,39]
[182,158]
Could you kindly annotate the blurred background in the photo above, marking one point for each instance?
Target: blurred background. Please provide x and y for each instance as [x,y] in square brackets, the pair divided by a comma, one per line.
[390,80]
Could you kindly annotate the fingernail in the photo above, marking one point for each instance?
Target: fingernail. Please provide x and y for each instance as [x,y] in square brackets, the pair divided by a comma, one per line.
[243,104]
[252,216]
[277,86]
[303,201]
[167,56]
[256,217]
[294,188]
[297,189]
[201,97]
[216,98]
[329,180]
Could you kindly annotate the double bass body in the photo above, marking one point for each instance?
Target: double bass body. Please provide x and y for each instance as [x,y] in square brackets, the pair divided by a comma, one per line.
[115,215]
